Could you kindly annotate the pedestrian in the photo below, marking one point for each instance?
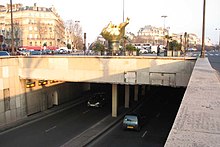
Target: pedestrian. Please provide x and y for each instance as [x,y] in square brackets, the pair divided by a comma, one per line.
[158,50]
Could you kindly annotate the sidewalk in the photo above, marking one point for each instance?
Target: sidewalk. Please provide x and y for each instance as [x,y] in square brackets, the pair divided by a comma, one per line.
[197,122]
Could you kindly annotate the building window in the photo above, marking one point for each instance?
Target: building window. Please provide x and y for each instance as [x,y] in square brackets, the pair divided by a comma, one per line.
[51,44]
[30,43]
[35,43]
[30,36]
[30,28]
[6,93]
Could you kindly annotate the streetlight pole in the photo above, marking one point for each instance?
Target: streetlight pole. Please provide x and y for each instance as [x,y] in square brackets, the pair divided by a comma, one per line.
[218,29]
[164,17]
[123,40]
[12,30]
[123,10]
[203,32]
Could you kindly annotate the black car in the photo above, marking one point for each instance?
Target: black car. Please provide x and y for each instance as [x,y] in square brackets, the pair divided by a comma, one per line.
[97,100]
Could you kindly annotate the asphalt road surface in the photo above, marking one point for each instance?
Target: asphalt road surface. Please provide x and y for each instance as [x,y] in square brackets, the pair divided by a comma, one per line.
[55,130]
[213,56]
[159,112]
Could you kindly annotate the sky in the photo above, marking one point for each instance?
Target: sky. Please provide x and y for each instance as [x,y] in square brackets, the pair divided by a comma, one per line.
[94,15]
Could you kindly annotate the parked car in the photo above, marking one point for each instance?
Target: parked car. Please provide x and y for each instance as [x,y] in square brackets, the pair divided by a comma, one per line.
[4,53]
[35,52]
[143,51]
[23,52]
[62,51]
[97,100]
[47,52]
[154,49]
[133,122]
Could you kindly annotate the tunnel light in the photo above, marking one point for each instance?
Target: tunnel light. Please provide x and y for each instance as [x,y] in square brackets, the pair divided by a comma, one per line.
[42,82]
[30,84]
[53,81]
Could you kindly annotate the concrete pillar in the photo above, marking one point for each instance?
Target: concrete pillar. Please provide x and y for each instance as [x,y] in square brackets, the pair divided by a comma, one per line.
[136,92]
[143,90]
[127,95]
[148,88]
[114,100]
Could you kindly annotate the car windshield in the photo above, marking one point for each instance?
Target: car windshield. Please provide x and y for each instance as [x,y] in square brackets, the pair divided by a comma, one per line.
[130,118]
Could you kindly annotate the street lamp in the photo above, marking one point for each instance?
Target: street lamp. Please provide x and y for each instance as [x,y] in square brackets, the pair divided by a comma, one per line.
[203,32]
[123,15]
[12,30]
[123,10]
[164,17]
[218,29]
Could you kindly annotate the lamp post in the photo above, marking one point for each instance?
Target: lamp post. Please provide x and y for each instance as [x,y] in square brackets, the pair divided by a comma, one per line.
[164,17]
[123,10]
[203,31]
[123,40]
[218,29]
[84,45]
[12,30]
[164,25]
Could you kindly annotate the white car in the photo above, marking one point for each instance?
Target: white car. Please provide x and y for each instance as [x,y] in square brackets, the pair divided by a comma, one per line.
[154,49]
[144,51]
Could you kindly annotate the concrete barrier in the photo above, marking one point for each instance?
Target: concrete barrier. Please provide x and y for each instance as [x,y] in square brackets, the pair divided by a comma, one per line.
[198,120]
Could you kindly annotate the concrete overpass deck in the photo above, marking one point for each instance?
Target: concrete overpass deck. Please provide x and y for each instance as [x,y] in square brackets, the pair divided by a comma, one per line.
[197,123]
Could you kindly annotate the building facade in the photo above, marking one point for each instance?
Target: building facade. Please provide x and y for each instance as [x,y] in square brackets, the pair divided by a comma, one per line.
[153,35]
[33,27]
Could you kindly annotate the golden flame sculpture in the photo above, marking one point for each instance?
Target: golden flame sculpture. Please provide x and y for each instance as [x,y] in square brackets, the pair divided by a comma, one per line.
[113,32]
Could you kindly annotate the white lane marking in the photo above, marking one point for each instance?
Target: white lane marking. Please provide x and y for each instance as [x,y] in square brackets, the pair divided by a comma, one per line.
[48,130]
[144,134]
[211,54]
[85,111]
[216,54]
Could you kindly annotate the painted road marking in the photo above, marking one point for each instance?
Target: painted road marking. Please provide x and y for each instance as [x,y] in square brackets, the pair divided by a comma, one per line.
[48,130]
[144,134]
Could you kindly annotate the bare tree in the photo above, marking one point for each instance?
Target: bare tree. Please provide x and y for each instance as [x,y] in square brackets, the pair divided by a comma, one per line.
[42,31]
[75,33]
[17,34]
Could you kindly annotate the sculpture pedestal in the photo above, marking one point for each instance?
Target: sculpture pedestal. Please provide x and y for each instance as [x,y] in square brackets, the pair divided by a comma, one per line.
[113,47]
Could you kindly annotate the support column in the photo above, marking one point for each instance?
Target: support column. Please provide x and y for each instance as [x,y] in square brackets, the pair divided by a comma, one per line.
[136,92]
[114,100]
[127,95]
[143,90]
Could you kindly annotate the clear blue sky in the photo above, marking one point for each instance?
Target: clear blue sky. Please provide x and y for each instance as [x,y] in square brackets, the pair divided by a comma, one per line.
[182,15]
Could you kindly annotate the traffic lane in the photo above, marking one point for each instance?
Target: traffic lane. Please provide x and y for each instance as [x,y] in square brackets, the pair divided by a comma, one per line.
[156,127]
[215,61]
[57,129]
